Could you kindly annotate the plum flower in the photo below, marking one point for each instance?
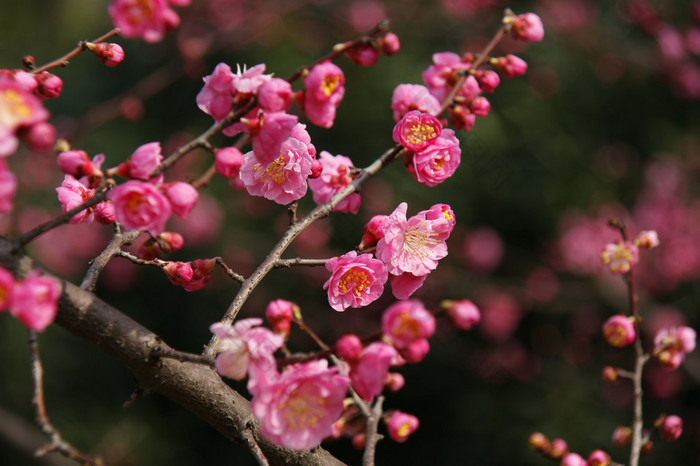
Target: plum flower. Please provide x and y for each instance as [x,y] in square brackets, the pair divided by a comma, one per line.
[405,322]
[672,344]
[620,256]
[275,128]
[416,131]
[140,206]
[619,330]
[8,187]
[355,281]
[244,344]
[147,19]
[407,97]
[526,27]
[215,98]
[333,179]
[400,425]
[298,409]
[35,301]
[144,161]
[324,89]
[441,75]
[463,313]
[437,161]
[19,108]
[410,245]
[283,180]
[71,194]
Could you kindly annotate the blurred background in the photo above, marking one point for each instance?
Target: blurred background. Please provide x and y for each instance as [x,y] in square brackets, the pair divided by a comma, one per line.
[605,123]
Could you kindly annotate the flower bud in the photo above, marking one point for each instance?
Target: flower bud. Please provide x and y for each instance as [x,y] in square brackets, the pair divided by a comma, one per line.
[647,240]
[488,80]
[394,381]
[359,441]
[401,425]
[182,196]
[179,273]
[510,66]
[363,55]
[228,161]
[573,459]
[105,213]
[463,313]
[619,331]
[622,436]
[670,427]
[349,348]
[610,374]
[598,458]
[539,442]
[109,54]
[279,314]
[416,351]
[316,169]
[41,136]
[526,27]
[558,449]
[390,43]
[373,231]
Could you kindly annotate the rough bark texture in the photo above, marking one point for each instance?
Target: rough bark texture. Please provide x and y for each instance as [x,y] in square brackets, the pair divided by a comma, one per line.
[196,387]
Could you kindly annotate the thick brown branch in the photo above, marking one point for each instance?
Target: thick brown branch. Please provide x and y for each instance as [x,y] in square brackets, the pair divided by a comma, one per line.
[196,387]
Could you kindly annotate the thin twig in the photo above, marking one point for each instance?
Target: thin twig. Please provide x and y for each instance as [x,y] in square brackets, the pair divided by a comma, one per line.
[100,262]
[300,261]
[373,436]
[229,271]
[57,442]
[81,47]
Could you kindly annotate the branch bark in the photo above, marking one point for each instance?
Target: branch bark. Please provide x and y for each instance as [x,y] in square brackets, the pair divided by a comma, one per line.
[195,387]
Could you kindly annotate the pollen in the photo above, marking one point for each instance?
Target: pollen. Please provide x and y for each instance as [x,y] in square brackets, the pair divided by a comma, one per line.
[330,84]
[274,171]
[417,242]
[13,108]
[419,133]
[357,280]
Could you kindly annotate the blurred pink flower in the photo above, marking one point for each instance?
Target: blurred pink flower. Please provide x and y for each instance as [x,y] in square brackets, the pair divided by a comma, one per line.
[18,109]
[527,27]
[182,196]
[333,179]
[620,256]
[324,89]
[147,19]
[482,249]
[407,97]
[140,206]
[405,322]
[299,408]
[35,301]
[463,313]
[400,425]
[619,331]
[369,373]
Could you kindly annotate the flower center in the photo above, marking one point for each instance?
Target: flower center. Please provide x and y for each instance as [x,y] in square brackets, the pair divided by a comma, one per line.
[419,133]
[274,171]
[13,108]
[355,279]
[300,412]
[329,84]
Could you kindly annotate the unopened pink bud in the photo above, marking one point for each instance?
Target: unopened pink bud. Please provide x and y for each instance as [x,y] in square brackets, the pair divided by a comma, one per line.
[527,27]
[275,95]
[349,348]
[461,117]
[316,169]
[558,449]
[279,314]
[416,351]
[598,458]
[390,44]
[374,231]
[182,196]
[647,240]
[510,66]
[401,425]
[179,273]
[488,80]
[610,374]
[622,436]
[463,313]
[573,459]
[77,164]
[359,441]
[109,54]
[364,55]
[394,381]
[41,136]
[539,442]
[202,270]
[49,85]
[105,213]
[228,161]
[619,331]
[480,106]
[670,427]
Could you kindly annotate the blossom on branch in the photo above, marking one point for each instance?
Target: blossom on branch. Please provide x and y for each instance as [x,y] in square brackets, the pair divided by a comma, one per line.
[401,425]
[620,256]
[437,161]
[324,89]
[19,108]
[35,301]
[146,19]
[334,177]
[298,409]
[140,206]
[355,281]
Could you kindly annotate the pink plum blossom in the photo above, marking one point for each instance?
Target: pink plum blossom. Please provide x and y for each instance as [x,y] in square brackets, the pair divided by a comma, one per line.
[405,322]
[619,331]
[368,374]
[410,245]
[620,256]
[182,196]
[598,458]
[275,128]
[463,313]
[140,206]
[40,136]
[364,54]
[349,348]
[248,81]
[526,27]
[405,284]
[244,344]
[146,19]
[415,351]
[179,273]
[400,425]
[355,281]
[441,76]
[144,161]
[202,270]
[216,98]
[488,80]
[275,95]
[8,187]
[417,131]
[299,408]
[35,301]
[336,175]
[390,44]
[647,240]
[228,161]
[49,86]
[73,193]
[672,344]
[18,109]
[437,161]
[407,97]
[284,179]
[279,314]
[324,89]
[7,285]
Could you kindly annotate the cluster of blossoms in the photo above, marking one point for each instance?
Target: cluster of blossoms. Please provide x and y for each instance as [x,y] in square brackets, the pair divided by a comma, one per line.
[143,203]
[304,403]
[557,449]
[145,19]
[33,300]
[407,250]
[192,276]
